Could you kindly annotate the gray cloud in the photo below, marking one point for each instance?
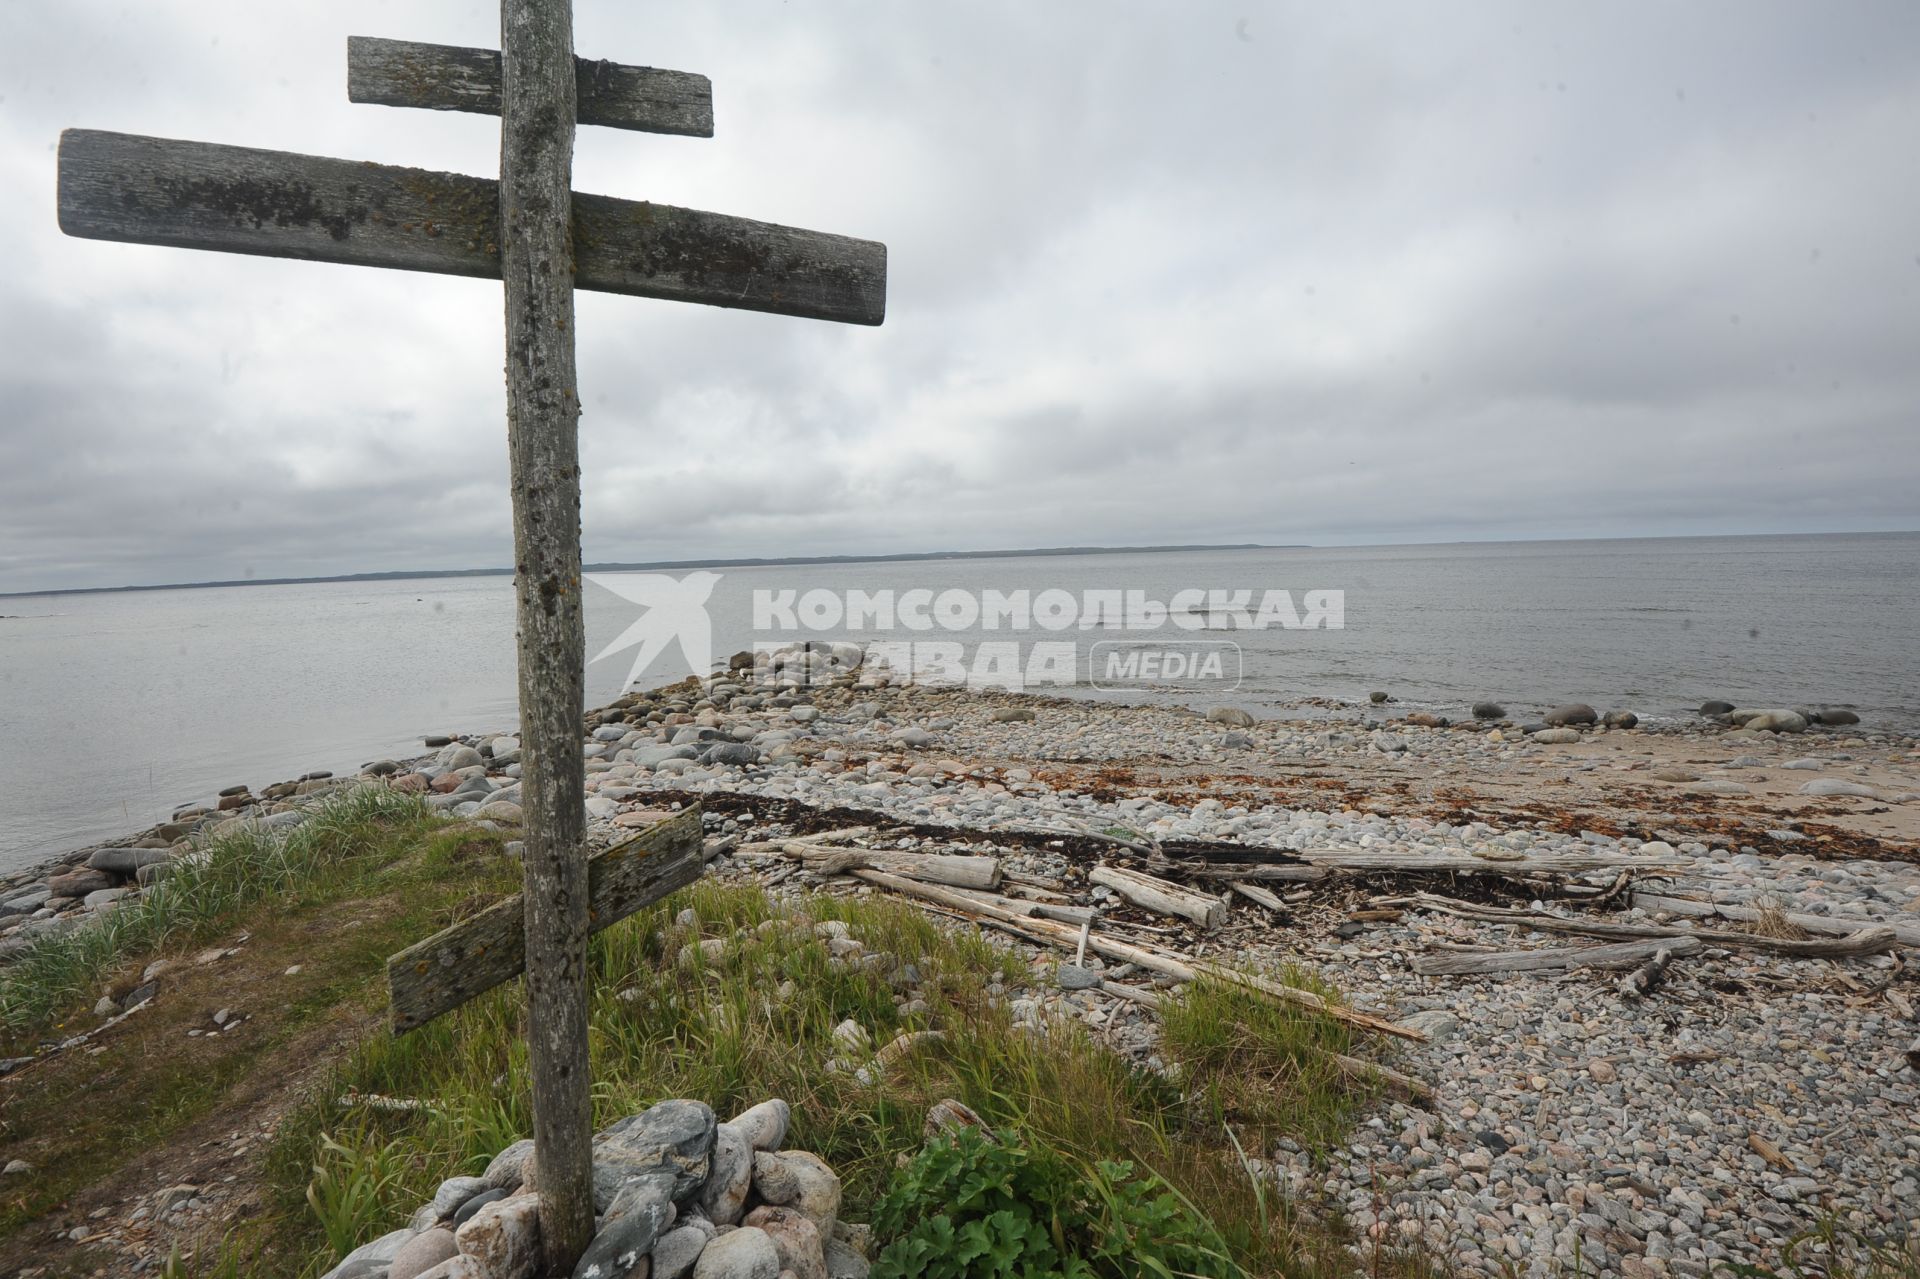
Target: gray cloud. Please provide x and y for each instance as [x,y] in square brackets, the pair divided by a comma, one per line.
[1202,272]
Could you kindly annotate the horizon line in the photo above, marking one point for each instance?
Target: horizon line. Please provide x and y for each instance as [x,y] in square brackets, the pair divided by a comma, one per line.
[788,561]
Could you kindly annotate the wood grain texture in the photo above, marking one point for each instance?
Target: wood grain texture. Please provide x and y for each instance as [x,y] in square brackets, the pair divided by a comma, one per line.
[537,112]
[1160,896]
[1628,954]
[200,195]
[444,77]
[454,965]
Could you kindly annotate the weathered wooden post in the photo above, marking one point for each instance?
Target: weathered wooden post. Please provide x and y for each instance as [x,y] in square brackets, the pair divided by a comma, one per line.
[537,111]
[543,240]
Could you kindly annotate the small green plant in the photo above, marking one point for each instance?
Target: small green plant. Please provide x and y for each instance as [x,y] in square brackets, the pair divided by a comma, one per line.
[351,1190]
[970,1207]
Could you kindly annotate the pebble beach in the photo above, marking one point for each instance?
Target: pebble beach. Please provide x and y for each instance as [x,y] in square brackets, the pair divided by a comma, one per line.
[1755,1098]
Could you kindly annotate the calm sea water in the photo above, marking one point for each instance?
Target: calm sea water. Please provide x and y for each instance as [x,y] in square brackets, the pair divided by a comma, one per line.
[116,708]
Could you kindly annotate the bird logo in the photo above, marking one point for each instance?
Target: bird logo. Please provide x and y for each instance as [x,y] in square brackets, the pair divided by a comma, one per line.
[675,613]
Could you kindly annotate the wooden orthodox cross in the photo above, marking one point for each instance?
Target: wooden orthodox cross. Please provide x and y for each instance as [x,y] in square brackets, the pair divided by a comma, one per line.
[532,231]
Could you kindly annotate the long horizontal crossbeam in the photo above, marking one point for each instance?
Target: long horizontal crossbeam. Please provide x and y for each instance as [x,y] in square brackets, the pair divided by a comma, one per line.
[200,195]
[444,77]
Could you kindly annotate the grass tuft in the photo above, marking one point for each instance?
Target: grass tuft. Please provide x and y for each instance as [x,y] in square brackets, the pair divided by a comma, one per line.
[241,864]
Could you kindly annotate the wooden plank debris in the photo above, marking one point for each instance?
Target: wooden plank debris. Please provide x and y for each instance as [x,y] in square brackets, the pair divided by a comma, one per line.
[477,954]
[1512,865]
[1259,896]
[1865,939]
[1066,937]
[200,195]
[1160,896]
[1904,934]
[1618,955]
[444,77]
[934,868]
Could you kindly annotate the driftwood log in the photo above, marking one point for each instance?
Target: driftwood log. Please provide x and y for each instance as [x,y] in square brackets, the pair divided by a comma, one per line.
[1646,979]
[1160,896]
[1459,863]
[1619,955]
[1259,896]
[1904,934]
[1870,939]
[933,868]
[1066,938]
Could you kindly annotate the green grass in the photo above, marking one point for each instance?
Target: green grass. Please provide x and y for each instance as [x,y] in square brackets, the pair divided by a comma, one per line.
[372,871]
[233,869]
[757,1022]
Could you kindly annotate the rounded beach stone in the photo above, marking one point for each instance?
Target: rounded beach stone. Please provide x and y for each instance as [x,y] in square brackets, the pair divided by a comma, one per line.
[1230,715]
[454,1192]
[765,1125]
[1489,710]
[1571,713]
[509,1166]
[798,1179]
[422,1253]
[503,1237]
[464,1213]
[1556,736]
[844,1260]
[739,1254]
[675,1252]
[795,1238]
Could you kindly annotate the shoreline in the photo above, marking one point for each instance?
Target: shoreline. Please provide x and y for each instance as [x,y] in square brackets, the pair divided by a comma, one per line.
[1326,714]
[1565,1119]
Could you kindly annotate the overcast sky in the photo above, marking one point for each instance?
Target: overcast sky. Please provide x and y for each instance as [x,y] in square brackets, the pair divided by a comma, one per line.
[1182,272]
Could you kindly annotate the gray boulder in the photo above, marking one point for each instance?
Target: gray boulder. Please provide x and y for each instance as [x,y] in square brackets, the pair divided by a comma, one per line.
[633,1222]
[677,1135]
[843,1261]
[504,1172]
[729,1177]
[675,1252]
[371,1260]
[127,861]
[454,1192]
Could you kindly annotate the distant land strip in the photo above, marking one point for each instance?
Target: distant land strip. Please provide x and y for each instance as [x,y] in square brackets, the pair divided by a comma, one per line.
[912,557]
